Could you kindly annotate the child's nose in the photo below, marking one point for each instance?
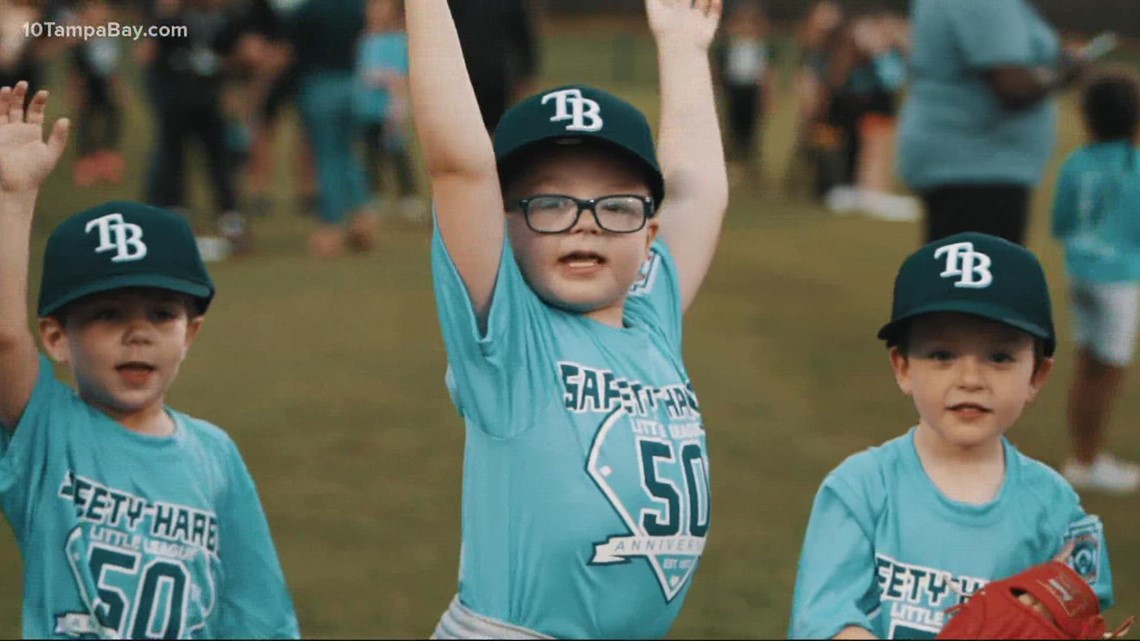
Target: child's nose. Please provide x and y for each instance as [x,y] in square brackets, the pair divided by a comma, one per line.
[970,372]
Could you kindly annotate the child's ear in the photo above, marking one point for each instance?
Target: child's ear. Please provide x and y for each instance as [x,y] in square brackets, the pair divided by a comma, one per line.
[53,335]
[901,366]
[193,326]
[1041,373]
[652,227]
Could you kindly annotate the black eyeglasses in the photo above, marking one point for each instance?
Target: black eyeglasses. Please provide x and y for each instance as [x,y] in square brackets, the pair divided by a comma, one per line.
[555,213]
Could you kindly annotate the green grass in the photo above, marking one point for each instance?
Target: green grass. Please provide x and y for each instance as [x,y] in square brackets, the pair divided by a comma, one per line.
[329,375]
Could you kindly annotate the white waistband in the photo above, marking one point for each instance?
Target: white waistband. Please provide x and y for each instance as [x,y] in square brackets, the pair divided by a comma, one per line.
[458,622]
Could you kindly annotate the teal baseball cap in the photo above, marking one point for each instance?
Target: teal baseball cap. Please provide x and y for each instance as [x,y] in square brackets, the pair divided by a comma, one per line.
[122,244]
[579,113]
[974,273]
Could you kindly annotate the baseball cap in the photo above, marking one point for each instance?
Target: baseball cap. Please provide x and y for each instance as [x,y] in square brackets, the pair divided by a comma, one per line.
[579,112]
[122,244]
[974,273]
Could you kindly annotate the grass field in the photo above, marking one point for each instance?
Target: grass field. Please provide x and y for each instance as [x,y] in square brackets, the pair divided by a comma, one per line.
[329,376]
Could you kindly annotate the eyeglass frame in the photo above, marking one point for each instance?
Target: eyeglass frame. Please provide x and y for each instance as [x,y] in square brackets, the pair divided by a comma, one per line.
[648,204]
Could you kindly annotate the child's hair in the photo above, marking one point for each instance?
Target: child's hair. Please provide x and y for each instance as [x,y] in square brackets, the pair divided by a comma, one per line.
[901,340]
[1111,105]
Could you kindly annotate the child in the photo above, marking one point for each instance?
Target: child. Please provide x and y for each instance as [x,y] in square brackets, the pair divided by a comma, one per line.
[1097,216]
[561,287]
[747,79]
[134,520]
[381,103]
[903,531]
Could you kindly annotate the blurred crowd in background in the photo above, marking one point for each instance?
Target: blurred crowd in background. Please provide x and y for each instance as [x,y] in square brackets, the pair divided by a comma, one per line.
[342,64]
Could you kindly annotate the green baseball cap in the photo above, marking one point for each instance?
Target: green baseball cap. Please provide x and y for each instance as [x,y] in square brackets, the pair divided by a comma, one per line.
[974,273]
[579,112]
[122,244]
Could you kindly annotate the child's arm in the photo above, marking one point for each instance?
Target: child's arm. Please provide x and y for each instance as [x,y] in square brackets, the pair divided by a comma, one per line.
[457,150]
[25,161]
[835,576]
[689,146]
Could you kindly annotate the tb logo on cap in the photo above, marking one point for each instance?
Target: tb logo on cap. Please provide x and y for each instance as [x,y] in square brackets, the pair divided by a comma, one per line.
[584,114]
[971,267]
[115,234]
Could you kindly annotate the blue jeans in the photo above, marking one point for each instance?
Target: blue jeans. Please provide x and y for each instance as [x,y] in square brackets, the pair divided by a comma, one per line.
[325,102]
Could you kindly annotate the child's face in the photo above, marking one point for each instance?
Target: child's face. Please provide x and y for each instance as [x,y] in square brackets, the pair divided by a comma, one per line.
[124,347]
[585,269]
[970,377]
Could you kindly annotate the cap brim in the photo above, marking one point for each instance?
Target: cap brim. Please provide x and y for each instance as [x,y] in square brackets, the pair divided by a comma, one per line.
[202,293]
[657,179]
[997,313]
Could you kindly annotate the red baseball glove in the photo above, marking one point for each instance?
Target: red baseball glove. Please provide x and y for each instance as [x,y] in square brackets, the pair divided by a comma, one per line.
[1047,601]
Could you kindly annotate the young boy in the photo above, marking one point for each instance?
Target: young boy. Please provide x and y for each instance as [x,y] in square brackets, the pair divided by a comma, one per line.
[134,520]
[381,104]
[1096,215]
[561,288]
[901,532]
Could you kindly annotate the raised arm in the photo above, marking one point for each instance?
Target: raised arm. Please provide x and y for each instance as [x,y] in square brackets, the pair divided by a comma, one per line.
[689,145]
[456,149]
[25,161]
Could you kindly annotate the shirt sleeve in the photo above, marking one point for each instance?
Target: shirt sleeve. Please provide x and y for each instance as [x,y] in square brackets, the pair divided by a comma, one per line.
[254,601]
[655,297]
[484,361]
[1065,202]
[1090,553]
[835,580]
[25,452]
[993,32]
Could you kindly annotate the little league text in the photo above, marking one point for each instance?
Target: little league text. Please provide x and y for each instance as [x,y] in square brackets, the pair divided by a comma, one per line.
[108,30]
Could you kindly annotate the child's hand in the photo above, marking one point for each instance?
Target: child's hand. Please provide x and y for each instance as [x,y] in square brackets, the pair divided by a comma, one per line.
[25,159]
[691,22]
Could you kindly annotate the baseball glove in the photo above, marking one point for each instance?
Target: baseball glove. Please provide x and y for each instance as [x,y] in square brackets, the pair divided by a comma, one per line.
[1047,601]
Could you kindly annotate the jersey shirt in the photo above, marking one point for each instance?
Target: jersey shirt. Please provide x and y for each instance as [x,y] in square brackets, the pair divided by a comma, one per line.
[1096,212]
[887,552]
[585,481]
[953,128]
[128,535]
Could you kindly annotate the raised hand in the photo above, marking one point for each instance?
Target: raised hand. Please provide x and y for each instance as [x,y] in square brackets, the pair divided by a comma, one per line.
[690,22]
[25,159]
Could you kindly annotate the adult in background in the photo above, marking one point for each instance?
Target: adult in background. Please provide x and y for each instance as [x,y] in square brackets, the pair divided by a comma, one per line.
[498,41]
[324,35]
[185,77]
[979,122]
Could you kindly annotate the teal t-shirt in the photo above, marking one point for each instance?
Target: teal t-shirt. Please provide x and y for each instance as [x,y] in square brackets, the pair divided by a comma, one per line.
[131,536]
[585,478]
[1096,212]
[953,128]
[378,52]
[888,552]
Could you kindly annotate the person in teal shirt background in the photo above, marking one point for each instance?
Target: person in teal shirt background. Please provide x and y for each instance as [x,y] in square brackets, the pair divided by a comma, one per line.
[979,122]
[1096,214]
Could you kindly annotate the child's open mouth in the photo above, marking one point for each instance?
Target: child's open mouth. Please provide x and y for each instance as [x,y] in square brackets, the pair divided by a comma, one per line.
[135,372]
[582,260]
